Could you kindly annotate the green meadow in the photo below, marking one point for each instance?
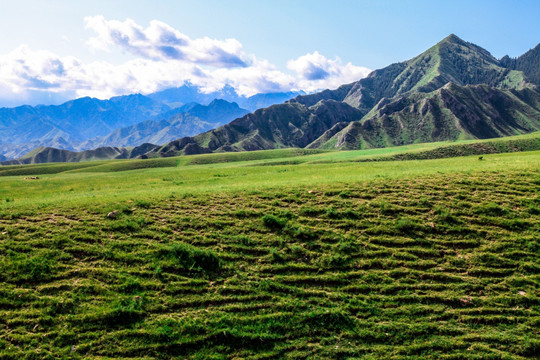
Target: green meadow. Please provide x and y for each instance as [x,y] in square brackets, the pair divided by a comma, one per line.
[301,254]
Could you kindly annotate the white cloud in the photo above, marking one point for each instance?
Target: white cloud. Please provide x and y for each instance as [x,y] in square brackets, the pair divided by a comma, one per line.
[160,41]
[26,70]
[164,58]
[315,72]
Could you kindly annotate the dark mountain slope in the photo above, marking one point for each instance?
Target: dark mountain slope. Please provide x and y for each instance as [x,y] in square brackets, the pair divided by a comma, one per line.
[450,113]
[50,155]
[279,126]
[529,63]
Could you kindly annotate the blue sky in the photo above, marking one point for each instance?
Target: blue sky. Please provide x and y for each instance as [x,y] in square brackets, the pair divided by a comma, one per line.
[58,49]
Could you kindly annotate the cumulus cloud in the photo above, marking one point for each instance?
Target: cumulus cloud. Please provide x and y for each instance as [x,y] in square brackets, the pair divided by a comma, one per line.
[160,41]
[24,70]
[163,58]
[315,71]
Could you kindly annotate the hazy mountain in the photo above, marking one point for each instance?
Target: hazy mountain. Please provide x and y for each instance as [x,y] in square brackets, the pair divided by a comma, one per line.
[72,122]
[188,120]
[13,151]
[454,90]
[218,112]
[176,97]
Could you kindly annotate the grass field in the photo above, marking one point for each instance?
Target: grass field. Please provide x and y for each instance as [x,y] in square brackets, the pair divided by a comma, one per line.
[267,255]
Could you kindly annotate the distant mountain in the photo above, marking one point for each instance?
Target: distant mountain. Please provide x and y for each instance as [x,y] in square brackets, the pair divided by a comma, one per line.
[176,97]
[13,151]
[188,120]
[218,112]
[88,123]
[68,124]
[454,90]
[75,120]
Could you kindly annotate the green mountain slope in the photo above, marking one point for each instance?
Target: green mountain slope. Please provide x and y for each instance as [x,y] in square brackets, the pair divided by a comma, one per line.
[451,60]
[453,112]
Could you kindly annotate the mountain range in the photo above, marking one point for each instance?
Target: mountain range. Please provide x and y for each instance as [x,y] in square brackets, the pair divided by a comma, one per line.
[175,97]
[129,120]
[454,90]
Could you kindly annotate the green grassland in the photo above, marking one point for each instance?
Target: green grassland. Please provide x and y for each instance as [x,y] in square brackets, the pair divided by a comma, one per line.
[276,254]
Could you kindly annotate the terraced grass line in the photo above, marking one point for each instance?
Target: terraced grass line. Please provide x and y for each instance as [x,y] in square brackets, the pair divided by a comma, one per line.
[478,148]
[435,266]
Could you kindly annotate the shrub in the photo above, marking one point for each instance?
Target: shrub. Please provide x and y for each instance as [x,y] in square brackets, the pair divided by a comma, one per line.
[142,204]
[332,213]
[407,225]
[491,209]
[33,268]
[191,258]
[334,260]
[273,222]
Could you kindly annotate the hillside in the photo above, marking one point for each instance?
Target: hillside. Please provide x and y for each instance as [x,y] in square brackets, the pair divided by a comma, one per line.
[287,253]
[427,98]
[287,156]
[449,113]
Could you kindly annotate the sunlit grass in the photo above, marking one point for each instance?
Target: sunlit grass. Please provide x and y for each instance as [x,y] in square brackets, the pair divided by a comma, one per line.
[272,255]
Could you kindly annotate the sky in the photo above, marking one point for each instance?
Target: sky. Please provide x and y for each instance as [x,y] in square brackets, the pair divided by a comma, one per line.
[55,50]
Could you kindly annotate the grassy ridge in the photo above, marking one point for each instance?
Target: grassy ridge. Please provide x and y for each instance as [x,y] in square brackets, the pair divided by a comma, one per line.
[477,148]
[328,258]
